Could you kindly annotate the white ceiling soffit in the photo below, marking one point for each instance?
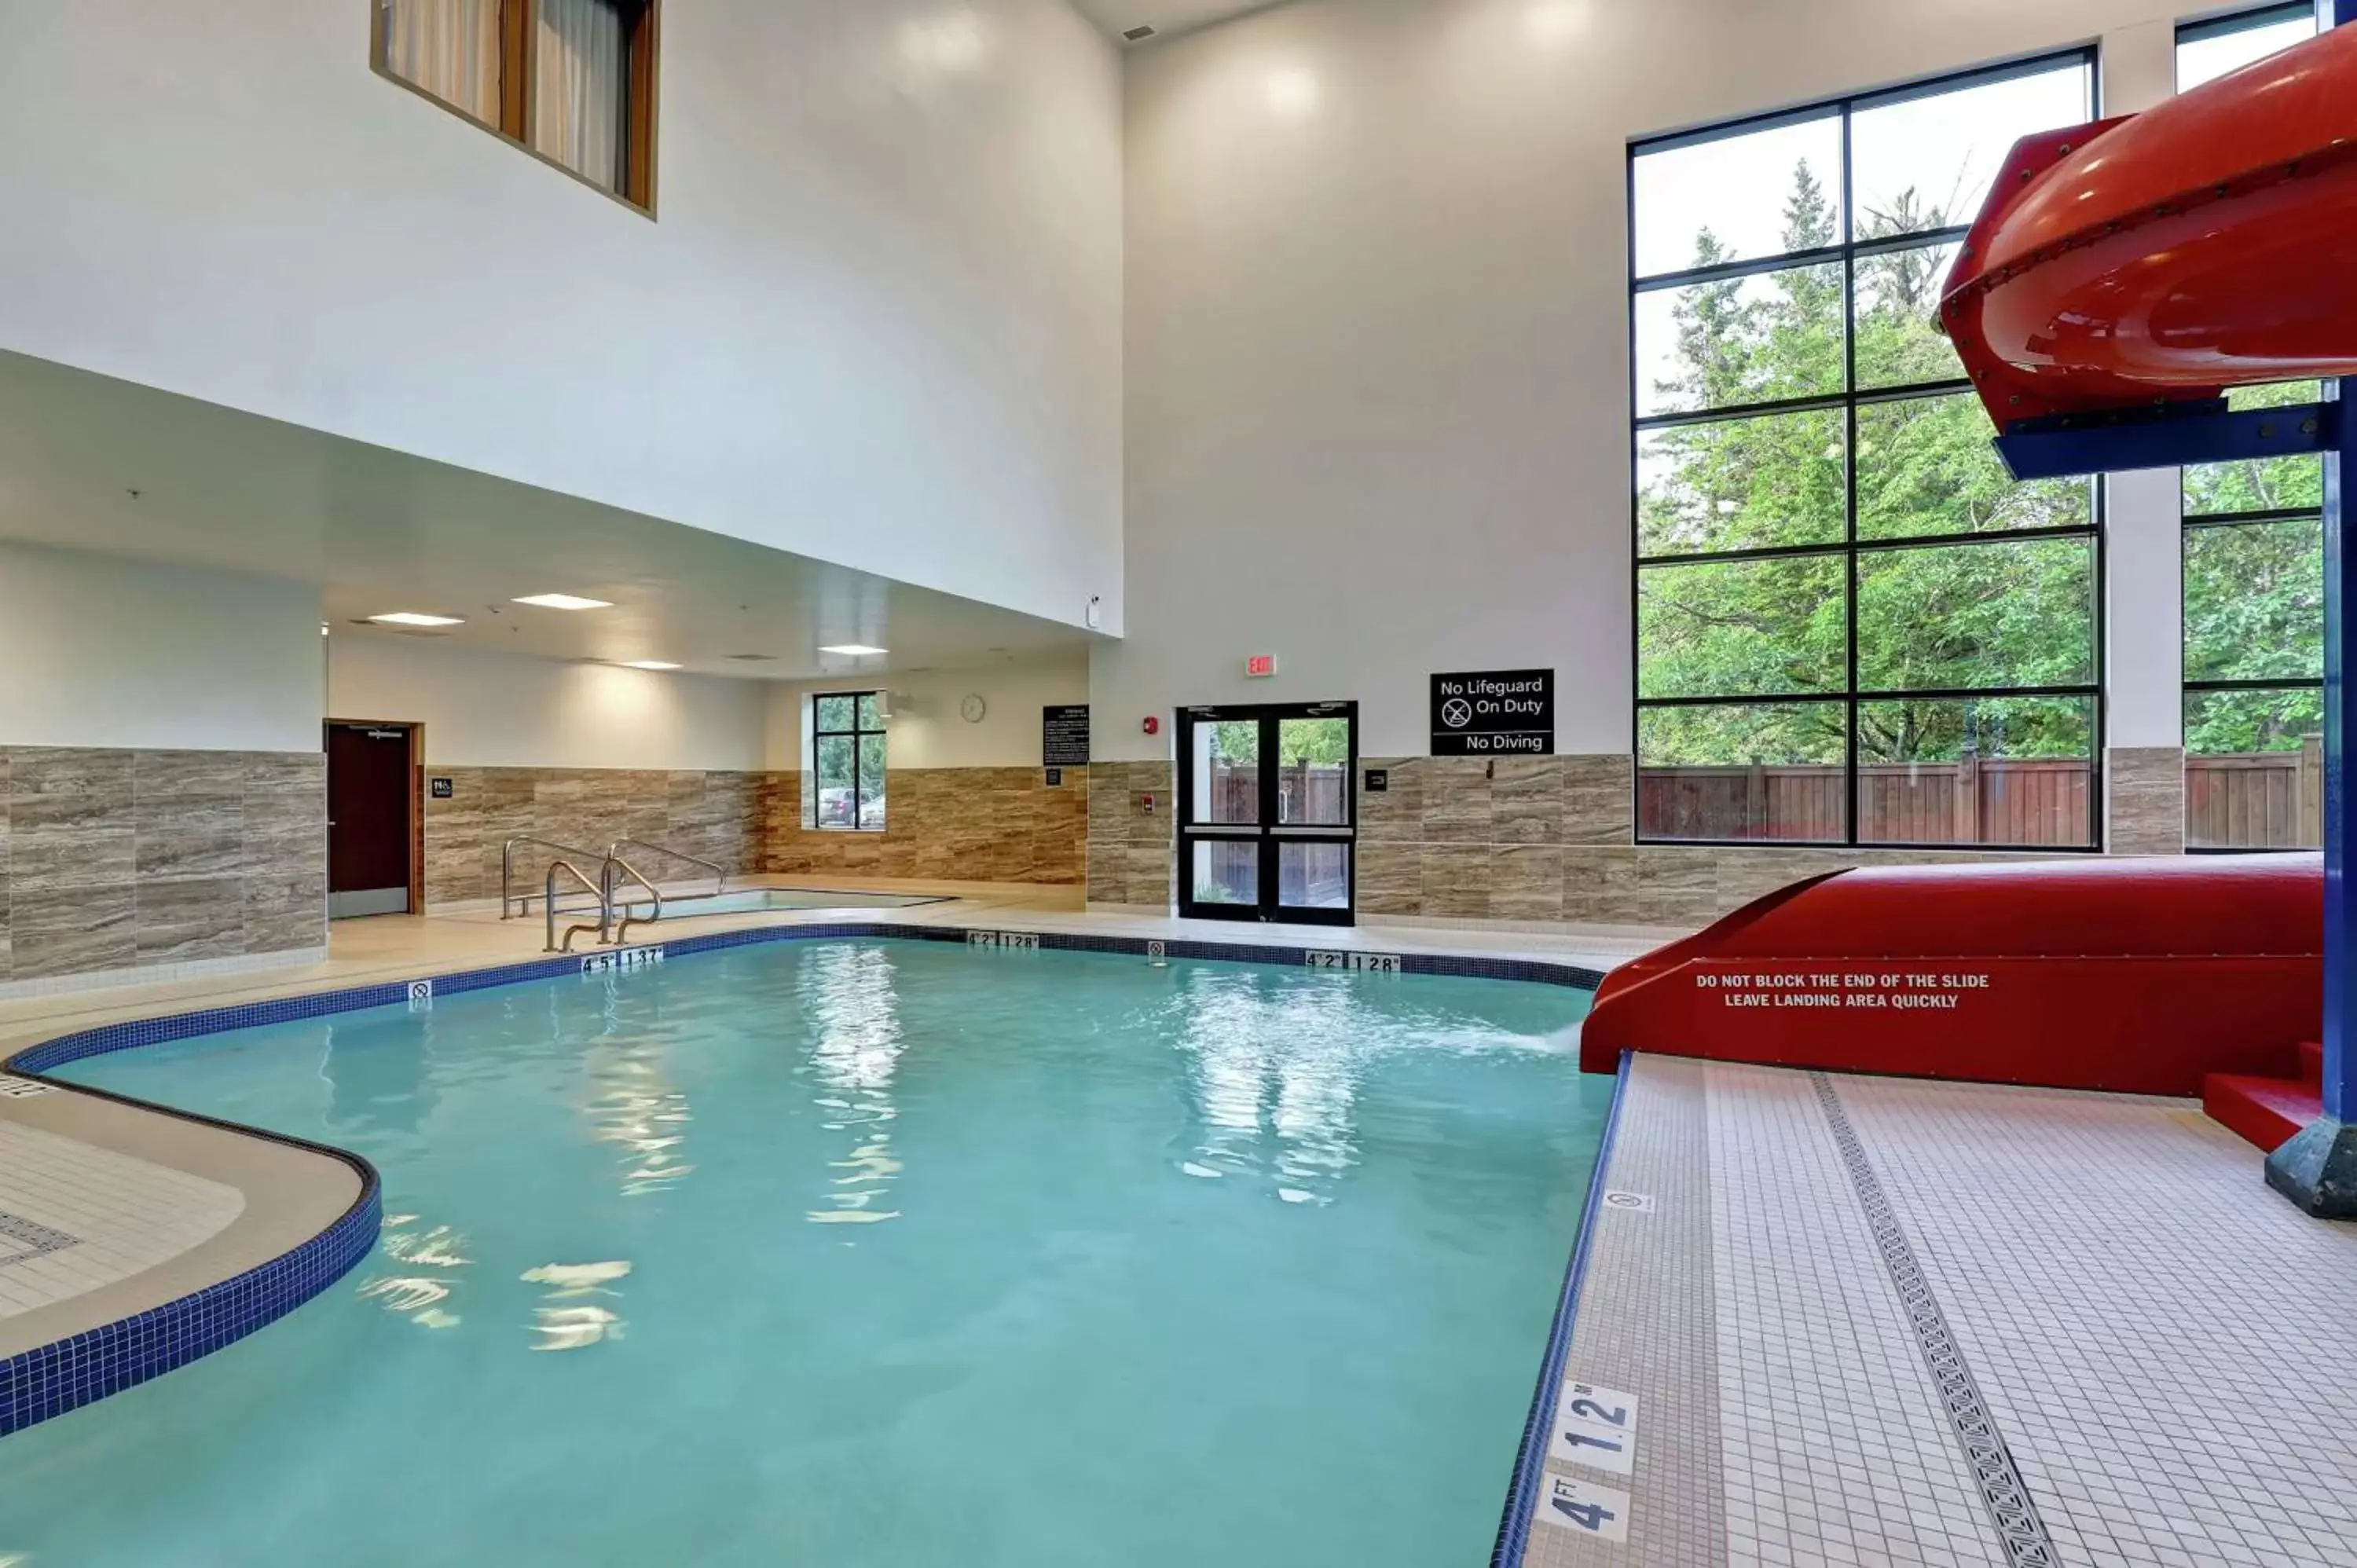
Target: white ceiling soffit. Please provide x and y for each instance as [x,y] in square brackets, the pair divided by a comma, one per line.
[1165,16]
[381,531]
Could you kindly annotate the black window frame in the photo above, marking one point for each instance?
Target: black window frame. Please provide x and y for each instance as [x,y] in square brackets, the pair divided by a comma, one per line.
[2190,523]
[1850,549]
[856,734]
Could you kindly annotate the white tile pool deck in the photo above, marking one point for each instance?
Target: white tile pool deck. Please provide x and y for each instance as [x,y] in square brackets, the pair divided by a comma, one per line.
[1865,1320]
[1884,1321]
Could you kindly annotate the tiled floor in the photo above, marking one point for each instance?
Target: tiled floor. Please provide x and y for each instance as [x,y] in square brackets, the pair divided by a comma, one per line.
[1959,1324]
[74,1218]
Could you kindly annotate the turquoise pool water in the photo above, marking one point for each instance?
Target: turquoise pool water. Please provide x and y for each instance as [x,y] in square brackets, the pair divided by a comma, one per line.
[874,1255]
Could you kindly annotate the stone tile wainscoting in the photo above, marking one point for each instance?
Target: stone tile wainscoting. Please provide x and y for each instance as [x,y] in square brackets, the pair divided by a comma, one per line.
[718,816]
[956,824]
[145,860]
[1129,847]
[1552,839]
[2144,791]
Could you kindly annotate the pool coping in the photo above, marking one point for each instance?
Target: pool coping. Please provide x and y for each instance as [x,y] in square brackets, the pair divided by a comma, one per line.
[1530,1460]
[51,1379]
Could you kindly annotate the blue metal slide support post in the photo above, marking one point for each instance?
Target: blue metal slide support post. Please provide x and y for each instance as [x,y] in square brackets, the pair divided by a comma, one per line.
[2318,1169]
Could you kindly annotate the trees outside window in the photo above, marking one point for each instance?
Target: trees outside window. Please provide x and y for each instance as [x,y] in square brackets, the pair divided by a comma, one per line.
[848,761]
[2254,577]
[1852,627]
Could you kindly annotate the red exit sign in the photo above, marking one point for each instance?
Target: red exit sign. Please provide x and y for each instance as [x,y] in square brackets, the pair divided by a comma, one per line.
[1260,666]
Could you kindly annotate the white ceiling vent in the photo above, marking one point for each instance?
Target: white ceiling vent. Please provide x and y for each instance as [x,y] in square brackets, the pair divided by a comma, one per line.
[1138,35]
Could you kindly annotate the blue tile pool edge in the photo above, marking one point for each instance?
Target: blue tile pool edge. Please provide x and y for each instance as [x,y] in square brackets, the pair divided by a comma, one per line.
[50,1379]
[1530,1460]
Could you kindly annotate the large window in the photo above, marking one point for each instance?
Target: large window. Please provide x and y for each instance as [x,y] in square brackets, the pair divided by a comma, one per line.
[846,788]
[1852,625]
[2208,51]
[2253,577]
[571,80]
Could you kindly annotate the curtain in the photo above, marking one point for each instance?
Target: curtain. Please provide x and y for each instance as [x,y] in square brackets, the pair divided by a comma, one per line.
[581,89]
[449,48]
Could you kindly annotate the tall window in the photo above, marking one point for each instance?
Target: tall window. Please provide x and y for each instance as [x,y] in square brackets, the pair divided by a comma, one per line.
[2254,578]
[2208,51]
[572,80]
[1852,625]
[846,761]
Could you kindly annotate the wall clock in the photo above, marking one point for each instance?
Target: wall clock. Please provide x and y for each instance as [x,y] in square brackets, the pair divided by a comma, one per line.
[972,708]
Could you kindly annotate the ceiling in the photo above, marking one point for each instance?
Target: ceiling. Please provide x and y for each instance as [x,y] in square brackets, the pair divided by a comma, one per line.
[380,530]
[1165,16]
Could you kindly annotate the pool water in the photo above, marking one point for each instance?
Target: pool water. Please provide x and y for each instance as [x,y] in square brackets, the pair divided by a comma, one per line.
[865,1253]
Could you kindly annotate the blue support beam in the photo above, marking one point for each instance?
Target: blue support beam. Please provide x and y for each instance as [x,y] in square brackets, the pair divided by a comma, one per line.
[2318,1169]
[2165,437]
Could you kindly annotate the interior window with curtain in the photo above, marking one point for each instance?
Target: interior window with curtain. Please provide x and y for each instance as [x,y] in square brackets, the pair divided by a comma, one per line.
[448,47]
[573,80]
[581,87]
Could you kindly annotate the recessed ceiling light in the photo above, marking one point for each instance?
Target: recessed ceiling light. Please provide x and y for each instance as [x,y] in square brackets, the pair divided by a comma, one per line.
[854,651]
[411,617]
[648,664]
[564,602]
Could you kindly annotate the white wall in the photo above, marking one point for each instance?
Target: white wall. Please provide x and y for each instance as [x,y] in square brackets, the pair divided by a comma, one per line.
[879,321]
[502,710]
[926,727]
[1378,353]
[98,651]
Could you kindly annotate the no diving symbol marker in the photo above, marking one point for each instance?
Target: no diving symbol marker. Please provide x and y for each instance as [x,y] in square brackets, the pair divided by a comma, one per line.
[1629,1202]
[1457,713]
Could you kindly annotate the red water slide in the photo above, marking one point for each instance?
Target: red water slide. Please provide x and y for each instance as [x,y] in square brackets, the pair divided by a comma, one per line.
[2124,265]
[2137,975]
[2205,243]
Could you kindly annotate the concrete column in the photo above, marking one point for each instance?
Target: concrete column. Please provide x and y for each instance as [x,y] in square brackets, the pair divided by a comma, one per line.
[2144,609]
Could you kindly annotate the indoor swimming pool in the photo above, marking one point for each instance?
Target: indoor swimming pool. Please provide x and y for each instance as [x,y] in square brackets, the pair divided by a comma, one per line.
[866,1252]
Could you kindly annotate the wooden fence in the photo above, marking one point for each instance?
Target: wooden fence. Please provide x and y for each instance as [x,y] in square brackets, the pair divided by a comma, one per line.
[1970,802]
[2272,799]
[2265,800]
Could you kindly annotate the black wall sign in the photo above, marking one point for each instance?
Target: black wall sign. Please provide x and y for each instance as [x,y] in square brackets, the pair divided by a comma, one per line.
[1379,780]
[1064,736]
[444,788]
[1493,712]
[1055,777]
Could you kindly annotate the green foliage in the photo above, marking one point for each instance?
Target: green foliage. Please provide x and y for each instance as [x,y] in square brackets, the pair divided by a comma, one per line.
[1995,614]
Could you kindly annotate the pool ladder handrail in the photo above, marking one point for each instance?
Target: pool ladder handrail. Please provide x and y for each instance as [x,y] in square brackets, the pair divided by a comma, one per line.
[511,902]
[604,906]
[611,877]
[719,872]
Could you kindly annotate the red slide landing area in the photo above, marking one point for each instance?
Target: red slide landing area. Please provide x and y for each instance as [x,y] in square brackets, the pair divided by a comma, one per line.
[2144,976]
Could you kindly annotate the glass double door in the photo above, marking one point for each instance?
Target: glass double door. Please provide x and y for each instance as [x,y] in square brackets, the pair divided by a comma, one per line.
[1267,812]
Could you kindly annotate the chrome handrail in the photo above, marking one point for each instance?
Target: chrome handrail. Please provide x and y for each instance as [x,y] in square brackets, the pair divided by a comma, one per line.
[615,862]
[604,906]
[719,872]
[508,897]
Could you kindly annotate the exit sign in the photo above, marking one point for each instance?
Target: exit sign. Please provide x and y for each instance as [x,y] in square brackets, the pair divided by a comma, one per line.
[1260,666]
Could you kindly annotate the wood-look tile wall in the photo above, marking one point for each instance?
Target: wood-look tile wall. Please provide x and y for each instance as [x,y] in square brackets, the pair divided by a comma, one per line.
[1553,839]
[1129,847]
[956,824]
[718,816]
[117,860]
